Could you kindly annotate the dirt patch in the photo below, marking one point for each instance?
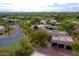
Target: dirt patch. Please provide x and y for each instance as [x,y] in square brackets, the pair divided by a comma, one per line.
[51,51]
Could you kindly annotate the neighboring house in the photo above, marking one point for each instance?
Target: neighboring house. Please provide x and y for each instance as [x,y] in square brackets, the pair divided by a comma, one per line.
[61,39]
[45,27]
[28,21]
[2,30]
[43,22]
[52,21]
[11,21]
[38,27]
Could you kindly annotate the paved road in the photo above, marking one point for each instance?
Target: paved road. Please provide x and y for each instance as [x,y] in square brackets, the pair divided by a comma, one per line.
[14,37]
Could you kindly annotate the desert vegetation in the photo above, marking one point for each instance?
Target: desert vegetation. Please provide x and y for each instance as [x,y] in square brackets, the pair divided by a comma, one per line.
[35,38]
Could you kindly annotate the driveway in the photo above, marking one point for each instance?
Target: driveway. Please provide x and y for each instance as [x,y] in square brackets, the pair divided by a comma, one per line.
[51,51]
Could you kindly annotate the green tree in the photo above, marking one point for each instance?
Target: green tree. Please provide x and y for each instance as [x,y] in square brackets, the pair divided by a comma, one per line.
[40,37]
[75,47]
[75,33]
[25,48]
[1,21]
[68,26]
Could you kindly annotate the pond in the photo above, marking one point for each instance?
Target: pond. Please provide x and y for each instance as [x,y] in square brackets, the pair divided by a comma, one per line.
[12,38]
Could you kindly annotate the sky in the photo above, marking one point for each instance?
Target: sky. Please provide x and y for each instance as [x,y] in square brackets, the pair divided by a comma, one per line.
[39,6]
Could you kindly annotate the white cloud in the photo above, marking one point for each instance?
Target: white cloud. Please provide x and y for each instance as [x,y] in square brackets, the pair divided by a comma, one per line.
[31,5]
[23,5]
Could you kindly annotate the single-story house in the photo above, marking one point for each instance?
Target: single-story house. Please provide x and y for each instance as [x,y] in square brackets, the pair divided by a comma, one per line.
[52,21]
[41,26]
[11,21]
[43,22]
[61,39]
[28,21]
[45,27]
[38,27]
